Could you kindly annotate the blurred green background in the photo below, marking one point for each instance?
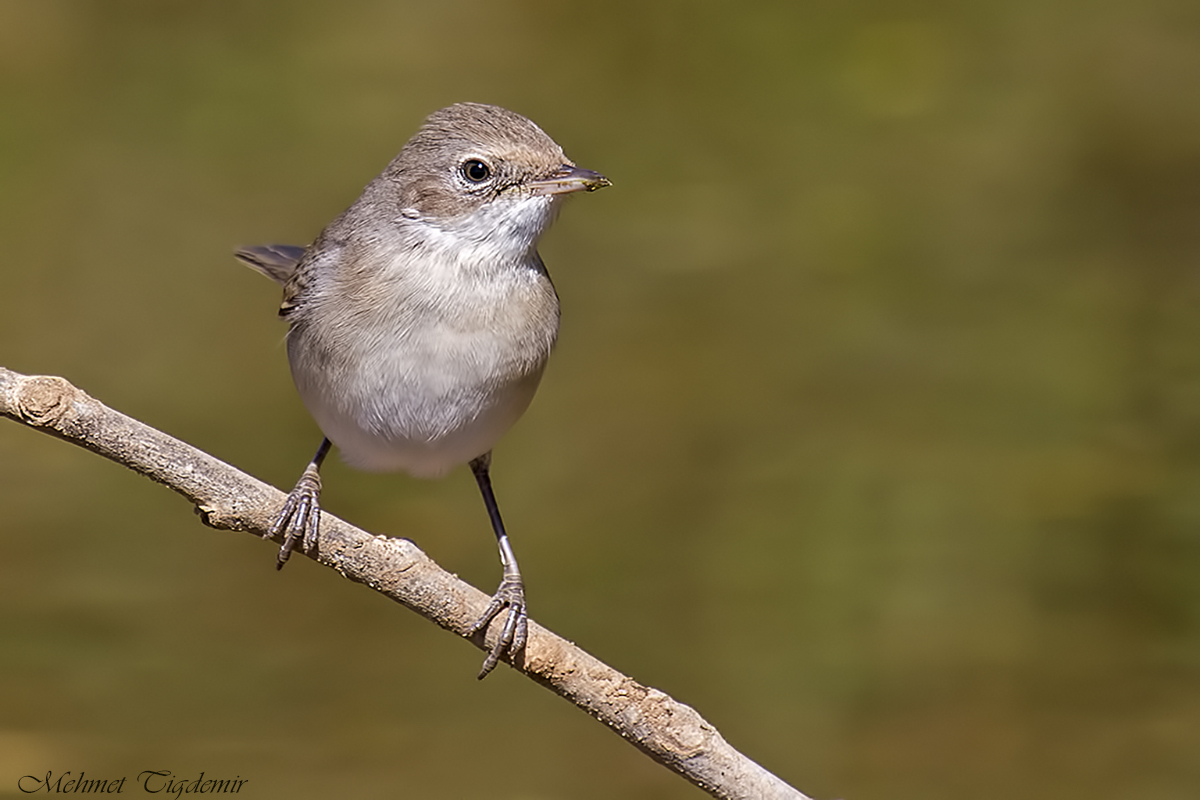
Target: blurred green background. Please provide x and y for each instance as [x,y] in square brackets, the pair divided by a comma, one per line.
[873,432]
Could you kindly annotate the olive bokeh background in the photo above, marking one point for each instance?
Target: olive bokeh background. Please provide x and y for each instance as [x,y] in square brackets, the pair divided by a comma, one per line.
[873,432]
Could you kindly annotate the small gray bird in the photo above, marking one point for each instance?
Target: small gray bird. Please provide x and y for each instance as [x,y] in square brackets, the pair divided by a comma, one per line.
[422,317]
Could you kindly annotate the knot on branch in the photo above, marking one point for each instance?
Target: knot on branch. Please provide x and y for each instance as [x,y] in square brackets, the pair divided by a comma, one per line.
[43,399]
[680,729]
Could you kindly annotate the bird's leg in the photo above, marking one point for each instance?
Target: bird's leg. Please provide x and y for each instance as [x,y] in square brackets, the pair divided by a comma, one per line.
[301,513]
[511,593]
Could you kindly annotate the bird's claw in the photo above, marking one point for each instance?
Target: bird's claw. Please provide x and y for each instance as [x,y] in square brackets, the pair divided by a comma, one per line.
[510,595]
[299,517]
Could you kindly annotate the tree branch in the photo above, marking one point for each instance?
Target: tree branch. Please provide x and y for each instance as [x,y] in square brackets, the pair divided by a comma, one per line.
[670,732]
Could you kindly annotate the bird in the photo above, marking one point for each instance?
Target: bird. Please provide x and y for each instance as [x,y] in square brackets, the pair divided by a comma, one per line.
[421,318]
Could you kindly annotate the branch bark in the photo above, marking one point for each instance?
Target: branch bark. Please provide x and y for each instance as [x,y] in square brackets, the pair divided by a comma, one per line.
[670,732]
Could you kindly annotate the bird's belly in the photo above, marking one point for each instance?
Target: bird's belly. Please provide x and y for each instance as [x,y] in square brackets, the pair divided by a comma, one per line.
[421,407]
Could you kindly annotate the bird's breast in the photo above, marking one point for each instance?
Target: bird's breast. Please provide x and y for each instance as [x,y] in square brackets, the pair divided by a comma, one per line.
[421,372]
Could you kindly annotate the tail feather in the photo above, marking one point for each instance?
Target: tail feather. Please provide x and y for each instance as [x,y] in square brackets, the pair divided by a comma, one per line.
[276,261]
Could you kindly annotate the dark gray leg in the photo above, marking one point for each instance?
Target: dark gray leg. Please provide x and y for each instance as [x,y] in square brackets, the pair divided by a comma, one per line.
[300,516]
[511,593]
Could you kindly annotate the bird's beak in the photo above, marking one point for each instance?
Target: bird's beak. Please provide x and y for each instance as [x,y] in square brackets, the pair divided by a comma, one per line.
[569,178]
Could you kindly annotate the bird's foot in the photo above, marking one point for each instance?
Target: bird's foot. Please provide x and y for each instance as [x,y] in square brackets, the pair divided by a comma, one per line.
[300,516]
[510,595]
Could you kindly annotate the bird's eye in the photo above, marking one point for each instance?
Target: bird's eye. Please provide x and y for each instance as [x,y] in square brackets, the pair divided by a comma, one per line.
[475,170]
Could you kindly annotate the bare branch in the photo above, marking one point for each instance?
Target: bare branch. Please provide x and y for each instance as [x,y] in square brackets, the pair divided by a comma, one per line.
[670,732]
